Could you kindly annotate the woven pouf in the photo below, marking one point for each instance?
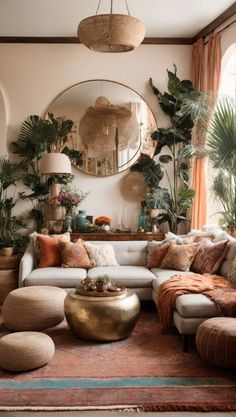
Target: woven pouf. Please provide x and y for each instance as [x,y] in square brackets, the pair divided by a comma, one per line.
[33,308]
[23,351]
[216,342]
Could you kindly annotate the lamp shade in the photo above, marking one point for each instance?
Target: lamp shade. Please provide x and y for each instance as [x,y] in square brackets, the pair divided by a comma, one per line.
[111,32]
[55,163]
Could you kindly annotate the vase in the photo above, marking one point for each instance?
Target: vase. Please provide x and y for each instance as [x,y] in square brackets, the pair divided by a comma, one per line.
[105,228]
[81,221]
[67,224]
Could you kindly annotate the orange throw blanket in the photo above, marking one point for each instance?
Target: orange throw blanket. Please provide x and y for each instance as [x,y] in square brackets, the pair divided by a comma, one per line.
[184,284]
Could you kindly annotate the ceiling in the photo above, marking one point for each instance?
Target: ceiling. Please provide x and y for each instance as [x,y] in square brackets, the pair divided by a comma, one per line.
[60,18]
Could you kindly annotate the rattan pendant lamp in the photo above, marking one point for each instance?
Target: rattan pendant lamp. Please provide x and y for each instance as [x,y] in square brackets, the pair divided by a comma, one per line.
[111,32]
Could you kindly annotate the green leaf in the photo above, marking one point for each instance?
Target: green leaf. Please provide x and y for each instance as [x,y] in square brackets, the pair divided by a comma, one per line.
[165,159]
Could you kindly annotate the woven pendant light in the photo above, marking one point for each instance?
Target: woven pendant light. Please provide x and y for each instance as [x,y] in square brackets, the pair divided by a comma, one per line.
[111,32]
[99,126]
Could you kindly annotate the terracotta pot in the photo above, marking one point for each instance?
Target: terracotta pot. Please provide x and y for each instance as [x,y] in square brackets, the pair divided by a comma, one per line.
[7,251]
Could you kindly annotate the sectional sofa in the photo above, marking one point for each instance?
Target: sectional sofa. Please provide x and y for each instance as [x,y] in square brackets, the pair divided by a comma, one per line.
[190,309]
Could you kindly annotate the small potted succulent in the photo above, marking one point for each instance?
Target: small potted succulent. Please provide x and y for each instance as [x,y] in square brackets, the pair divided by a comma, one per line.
[102,283]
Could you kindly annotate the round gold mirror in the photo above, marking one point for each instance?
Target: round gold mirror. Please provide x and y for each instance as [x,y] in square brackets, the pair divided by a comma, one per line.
[112,125]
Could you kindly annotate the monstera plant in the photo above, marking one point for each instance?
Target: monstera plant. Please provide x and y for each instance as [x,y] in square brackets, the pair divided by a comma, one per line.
[175,140]
[37,136]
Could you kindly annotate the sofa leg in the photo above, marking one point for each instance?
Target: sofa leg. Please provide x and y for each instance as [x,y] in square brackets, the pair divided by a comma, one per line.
[185,342]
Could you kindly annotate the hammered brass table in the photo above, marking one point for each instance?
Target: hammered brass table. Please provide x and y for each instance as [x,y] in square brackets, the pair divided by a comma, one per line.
[102,318]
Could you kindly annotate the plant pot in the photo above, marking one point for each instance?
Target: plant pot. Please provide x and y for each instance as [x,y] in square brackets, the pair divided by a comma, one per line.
[101,287]
[7,251]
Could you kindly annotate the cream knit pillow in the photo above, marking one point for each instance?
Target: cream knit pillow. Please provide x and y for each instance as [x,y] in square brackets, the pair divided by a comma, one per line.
[101,255]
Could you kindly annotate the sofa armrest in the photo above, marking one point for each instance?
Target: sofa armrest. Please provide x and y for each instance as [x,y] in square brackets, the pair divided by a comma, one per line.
[26,264]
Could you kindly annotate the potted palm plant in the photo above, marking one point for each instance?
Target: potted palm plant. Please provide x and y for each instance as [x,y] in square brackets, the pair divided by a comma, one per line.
[37,136]
[221,145]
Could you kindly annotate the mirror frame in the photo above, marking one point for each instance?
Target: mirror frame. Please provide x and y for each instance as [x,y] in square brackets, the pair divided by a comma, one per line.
[137,153]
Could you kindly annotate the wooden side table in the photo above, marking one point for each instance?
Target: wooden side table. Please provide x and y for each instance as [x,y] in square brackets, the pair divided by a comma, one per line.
[9,266]
[117,236]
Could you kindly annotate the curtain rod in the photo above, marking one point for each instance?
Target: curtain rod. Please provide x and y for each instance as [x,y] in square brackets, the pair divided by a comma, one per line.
[223,29]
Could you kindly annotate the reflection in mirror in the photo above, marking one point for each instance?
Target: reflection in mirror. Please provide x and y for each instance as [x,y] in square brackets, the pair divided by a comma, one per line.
[112,125]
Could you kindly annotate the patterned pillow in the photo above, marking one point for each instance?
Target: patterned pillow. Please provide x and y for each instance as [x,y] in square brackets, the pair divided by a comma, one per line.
[50,254]
[74,255]
[210,256]
[156,252]
[101,255]
[180,257]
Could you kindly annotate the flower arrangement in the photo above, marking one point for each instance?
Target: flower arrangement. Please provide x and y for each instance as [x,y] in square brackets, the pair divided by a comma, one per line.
[99,221]
[70,197]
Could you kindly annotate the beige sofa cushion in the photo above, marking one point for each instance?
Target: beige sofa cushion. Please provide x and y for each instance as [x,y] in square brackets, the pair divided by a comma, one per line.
[195,305]
[59,277]
[128,276]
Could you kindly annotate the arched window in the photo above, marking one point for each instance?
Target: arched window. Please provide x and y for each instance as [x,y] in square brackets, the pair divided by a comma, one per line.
[227,88]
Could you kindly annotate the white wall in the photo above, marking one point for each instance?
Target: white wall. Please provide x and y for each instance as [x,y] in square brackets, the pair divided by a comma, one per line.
[32,75]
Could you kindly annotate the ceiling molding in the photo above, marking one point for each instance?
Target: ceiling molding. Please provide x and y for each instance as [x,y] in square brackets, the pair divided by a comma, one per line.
[222,18]
[167,41]
[53,40]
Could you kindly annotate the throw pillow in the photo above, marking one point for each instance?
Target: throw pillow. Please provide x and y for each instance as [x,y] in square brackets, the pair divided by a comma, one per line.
[156,252]
[180,257]
[232,273]
[50,254]
[101,255]
[74,255]
[209,257]
[34,238]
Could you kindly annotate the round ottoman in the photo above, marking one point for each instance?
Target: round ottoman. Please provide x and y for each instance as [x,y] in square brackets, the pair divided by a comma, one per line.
[216,342]
[33,308]
[23,351]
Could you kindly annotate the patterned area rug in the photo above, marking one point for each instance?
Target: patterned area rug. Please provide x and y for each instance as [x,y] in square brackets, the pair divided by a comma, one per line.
[147,371]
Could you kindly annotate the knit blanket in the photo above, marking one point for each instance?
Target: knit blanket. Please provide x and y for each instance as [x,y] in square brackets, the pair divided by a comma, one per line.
[190,284]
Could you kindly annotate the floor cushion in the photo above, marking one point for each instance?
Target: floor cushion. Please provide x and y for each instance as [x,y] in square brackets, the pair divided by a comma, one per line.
[23,351]
[33,308]
[216,342]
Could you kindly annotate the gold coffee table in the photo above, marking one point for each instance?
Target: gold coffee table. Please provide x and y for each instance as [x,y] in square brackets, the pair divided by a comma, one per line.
[102,318]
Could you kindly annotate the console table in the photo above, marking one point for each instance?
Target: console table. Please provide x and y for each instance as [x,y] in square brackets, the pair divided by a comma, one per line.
[117,236]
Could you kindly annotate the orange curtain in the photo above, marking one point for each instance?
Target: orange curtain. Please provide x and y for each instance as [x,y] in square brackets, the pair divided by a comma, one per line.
[206,65]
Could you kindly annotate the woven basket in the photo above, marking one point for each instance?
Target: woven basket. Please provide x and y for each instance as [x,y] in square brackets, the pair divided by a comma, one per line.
[111,32]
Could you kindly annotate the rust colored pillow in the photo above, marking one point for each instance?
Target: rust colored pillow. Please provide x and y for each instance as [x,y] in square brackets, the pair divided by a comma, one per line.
[156,252]
[180,257]
[74,255]
[210,256]
[50,254]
